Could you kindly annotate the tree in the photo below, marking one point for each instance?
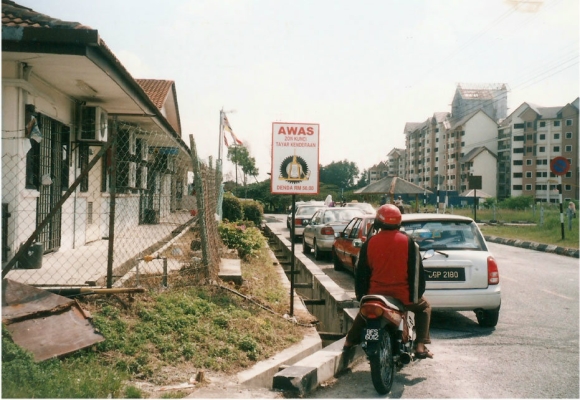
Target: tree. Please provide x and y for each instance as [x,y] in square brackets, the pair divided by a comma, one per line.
[240,156]
[364,180]
[339,173]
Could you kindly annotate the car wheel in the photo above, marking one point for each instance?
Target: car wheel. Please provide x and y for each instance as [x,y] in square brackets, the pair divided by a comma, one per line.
[317,253]
[336,261]
[305,247]
[487,318]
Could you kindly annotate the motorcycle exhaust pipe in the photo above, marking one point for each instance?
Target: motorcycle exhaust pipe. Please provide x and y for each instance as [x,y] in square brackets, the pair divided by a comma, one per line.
[405,358]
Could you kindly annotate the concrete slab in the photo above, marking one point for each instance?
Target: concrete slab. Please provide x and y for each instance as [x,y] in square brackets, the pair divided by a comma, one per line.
[231,270]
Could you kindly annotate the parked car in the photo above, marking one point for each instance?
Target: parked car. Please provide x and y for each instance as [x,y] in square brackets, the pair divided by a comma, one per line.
[365,207]
[298,204]
[319,233]
[462,275]
[303,214]
[344,250]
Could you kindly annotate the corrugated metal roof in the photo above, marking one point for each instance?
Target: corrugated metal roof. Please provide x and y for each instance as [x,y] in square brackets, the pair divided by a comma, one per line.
[392,185]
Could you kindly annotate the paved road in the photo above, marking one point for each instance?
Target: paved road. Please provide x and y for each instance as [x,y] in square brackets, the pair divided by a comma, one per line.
[532,353]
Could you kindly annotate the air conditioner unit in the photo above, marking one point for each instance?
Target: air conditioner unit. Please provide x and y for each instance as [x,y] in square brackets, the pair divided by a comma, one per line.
[94,125]
[127,174]
[143,180]
[142,149]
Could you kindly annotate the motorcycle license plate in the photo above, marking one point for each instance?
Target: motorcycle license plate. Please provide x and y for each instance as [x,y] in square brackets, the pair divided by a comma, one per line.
[371,335]
[445,274]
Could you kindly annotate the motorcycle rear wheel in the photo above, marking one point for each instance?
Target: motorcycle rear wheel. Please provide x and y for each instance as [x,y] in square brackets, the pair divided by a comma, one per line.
[382,365]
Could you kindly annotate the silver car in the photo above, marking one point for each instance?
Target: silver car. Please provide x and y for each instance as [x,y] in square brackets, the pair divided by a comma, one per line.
[303,213]
[462,275]
[326,223]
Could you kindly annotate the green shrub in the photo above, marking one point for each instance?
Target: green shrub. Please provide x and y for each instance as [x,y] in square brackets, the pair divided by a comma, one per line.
[232,208]
[253,211]
[517,202]
[246,240]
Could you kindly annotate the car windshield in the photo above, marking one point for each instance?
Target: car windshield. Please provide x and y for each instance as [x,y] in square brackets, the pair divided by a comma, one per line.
[366,207]
[441,235]
[340,214]
[307,210]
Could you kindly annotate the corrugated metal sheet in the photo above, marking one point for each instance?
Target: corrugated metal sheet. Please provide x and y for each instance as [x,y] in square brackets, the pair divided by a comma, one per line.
[46,324]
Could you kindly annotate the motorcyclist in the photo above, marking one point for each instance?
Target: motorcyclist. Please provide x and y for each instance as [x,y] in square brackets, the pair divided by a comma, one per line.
[390,265]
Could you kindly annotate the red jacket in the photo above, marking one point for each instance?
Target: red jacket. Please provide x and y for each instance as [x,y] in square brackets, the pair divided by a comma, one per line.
[390,264]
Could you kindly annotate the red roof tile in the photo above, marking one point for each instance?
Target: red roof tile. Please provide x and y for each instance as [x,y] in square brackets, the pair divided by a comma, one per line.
[156,89]
[16,15]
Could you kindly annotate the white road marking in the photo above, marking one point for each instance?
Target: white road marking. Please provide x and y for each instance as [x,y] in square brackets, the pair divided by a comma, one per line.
[557,294]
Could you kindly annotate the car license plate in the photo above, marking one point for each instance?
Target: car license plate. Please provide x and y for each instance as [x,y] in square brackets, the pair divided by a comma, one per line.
[445,274]
[371,335]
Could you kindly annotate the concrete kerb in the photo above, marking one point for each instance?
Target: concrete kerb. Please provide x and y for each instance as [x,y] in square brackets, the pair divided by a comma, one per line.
[547,248]
[262,373]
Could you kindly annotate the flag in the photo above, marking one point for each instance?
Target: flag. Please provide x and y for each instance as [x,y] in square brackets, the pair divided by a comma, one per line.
[227,127]
[226,141]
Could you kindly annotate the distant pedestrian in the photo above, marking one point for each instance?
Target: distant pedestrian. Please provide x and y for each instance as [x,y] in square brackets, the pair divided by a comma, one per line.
[571,213]
[383,200]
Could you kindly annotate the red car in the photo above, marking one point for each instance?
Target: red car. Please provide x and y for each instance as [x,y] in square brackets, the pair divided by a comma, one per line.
[344,253]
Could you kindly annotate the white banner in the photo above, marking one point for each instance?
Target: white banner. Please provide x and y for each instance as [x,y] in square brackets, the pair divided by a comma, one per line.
[295,151]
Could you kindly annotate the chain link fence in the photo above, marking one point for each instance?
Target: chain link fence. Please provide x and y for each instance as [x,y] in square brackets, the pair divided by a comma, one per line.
[135,209]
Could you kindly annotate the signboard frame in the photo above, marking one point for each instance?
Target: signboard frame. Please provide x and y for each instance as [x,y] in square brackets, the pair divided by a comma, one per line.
[295,158]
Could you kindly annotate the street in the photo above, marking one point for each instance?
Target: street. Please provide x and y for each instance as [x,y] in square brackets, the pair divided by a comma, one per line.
[532,353]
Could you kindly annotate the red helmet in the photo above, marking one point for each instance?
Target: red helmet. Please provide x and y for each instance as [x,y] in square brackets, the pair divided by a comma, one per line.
[389,214]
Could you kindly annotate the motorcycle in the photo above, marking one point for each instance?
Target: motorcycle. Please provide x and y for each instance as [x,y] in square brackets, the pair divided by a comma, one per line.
[389,336]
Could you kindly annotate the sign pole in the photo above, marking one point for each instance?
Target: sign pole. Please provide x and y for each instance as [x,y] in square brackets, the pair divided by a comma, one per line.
[475,205]
[561,207]
[292,259]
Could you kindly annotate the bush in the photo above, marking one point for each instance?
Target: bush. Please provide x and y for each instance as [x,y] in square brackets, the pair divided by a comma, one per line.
[518,202]
[253,211]
[232,208]
[246,240]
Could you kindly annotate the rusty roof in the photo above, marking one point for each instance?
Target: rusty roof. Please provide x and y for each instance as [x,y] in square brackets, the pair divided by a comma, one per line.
[156,89]
[16,15]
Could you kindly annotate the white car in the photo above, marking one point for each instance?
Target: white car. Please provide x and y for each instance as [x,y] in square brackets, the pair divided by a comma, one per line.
[298,204]
[365,207]
[462,275]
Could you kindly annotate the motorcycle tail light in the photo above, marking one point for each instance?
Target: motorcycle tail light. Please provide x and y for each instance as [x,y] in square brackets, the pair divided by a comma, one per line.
[492,271]
[371,311]
[327,230]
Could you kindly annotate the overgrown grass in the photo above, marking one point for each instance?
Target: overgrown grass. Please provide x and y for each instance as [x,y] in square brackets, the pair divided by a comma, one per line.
[163,338]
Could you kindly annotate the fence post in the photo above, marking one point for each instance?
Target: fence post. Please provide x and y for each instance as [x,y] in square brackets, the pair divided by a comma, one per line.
[112,204]
[200,197]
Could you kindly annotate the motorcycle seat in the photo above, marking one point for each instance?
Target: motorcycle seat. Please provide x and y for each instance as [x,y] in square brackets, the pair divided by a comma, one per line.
[391,302]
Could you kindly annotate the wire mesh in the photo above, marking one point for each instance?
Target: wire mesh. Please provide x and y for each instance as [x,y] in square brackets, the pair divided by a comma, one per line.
[112,211]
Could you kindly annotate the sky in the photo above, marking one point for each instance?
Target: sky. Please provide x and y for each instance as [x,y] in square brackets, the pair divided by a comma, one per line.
[359,69]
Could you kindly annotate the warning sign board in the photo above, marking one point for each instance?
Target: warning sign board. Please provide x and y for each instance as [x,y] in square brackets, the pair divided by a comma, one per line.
[559,165]
[295,151]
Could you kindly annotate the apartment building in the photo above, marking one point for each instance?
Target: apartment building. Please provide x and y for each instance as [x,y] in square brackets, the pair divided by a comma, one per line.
[530,137]
[378,171]
[513,158]
[396,162]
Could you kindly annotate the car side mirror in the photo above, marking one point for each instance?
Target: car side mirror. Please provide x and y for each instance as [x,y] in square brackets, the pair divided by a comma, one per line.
[357,243]
[305,222]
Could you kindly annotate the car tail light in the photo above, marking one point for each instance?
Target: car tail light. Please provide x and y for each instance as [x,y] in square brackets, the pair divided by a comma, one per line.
[327,230]
[371,310]
[492,271]
[298,221]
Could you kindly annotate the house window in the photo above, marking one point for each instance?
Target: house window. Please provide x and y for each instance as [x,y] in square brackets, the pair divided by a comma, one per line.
[519,138]
[568,174]
[567,187]
[556,149]
[542,136]
[568,122]
[517,174]
[568,135]
[556,136]
[518,126]
[528,187]
[517,187]
[518,162]
[520,150]
[568,148]
[528,124]
[529,137]
[528,162]
[528,174]
[556,123]
[542,149]
[542,124]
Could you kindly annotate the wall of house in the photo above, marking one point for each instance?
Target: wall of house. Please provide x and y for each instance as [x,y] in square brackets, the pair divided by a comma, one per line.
[480,130]
[487,163]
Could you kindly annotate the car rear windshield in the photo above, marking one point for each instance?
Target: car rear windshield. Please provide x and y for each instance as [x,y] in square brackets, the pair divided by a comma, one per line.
[440,235]
[341,214]
[307,210]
